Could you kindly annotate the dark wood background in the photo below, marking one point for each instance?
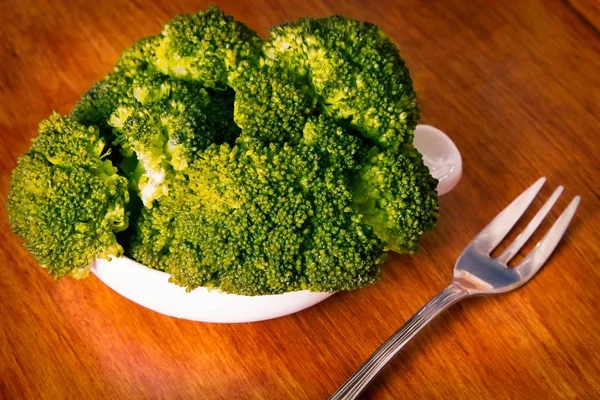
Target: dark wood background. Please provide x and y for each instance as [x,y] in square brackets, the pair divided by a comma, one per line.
[516,84]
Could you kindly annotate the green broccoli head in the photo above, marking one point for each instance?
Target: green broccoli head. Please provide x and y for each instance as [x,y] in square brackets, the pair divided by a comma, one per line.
[166,124]
[65,200]
[205,47]
[272,103]
[396,194]
[355,70]
[343,252]
[261,218]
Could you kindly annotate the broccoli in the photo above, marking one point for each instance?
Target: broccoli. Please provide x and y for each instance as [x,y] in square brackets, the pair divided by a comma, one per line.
[396,195]
[66,200]
[272,103]
[253,166]
[206,47]
[355,70]
[166,124]
[257,219]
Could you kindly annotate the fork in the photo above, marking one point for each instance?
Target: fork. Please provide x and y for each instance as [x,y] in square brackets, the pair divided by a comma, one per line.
[476,273]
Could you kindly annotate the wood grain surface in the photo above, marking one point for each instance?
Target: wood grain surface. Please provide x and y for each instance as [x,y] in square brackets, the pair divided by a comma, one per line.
[516,84]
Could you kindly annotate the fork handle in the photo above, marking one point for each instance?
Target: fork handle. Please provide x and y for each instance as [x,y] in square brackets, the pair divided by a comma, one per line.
[354,386]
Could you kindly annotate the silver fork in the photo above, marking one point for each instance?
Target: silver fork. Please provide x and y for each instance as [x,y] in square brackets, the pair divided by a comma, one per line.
[476,273]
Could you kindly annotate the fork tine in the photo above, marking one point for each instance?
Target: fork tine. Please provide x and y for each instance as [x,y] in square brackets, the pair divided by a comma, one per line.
[535,222]
[538,256]
[495,231]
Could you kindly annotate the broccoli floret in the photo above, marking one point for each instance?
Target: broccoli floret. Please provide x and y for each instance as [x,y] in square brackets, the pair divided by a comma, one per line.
[397,196]
[272,103]
[343,252]
[205,47]
[164,127]
[355,70]
[65,200]
[258,219]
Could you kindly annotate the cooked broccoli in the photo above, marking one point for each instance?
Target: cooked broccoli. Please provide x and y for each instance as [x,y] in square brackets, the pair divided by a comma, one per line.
[396,195]
[206,47]
[257,219]
[272,103]
[66,200]
[259,166]
[355,70]
[167,124]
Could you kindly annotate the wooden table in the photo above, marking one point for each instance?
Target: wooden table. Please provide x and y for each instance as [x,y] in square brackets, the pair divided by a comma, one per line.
[517,87]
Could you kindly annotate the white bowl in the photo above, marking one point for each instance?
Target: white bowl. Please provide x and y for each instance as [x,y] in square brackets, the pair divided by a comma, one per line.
[151,288]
